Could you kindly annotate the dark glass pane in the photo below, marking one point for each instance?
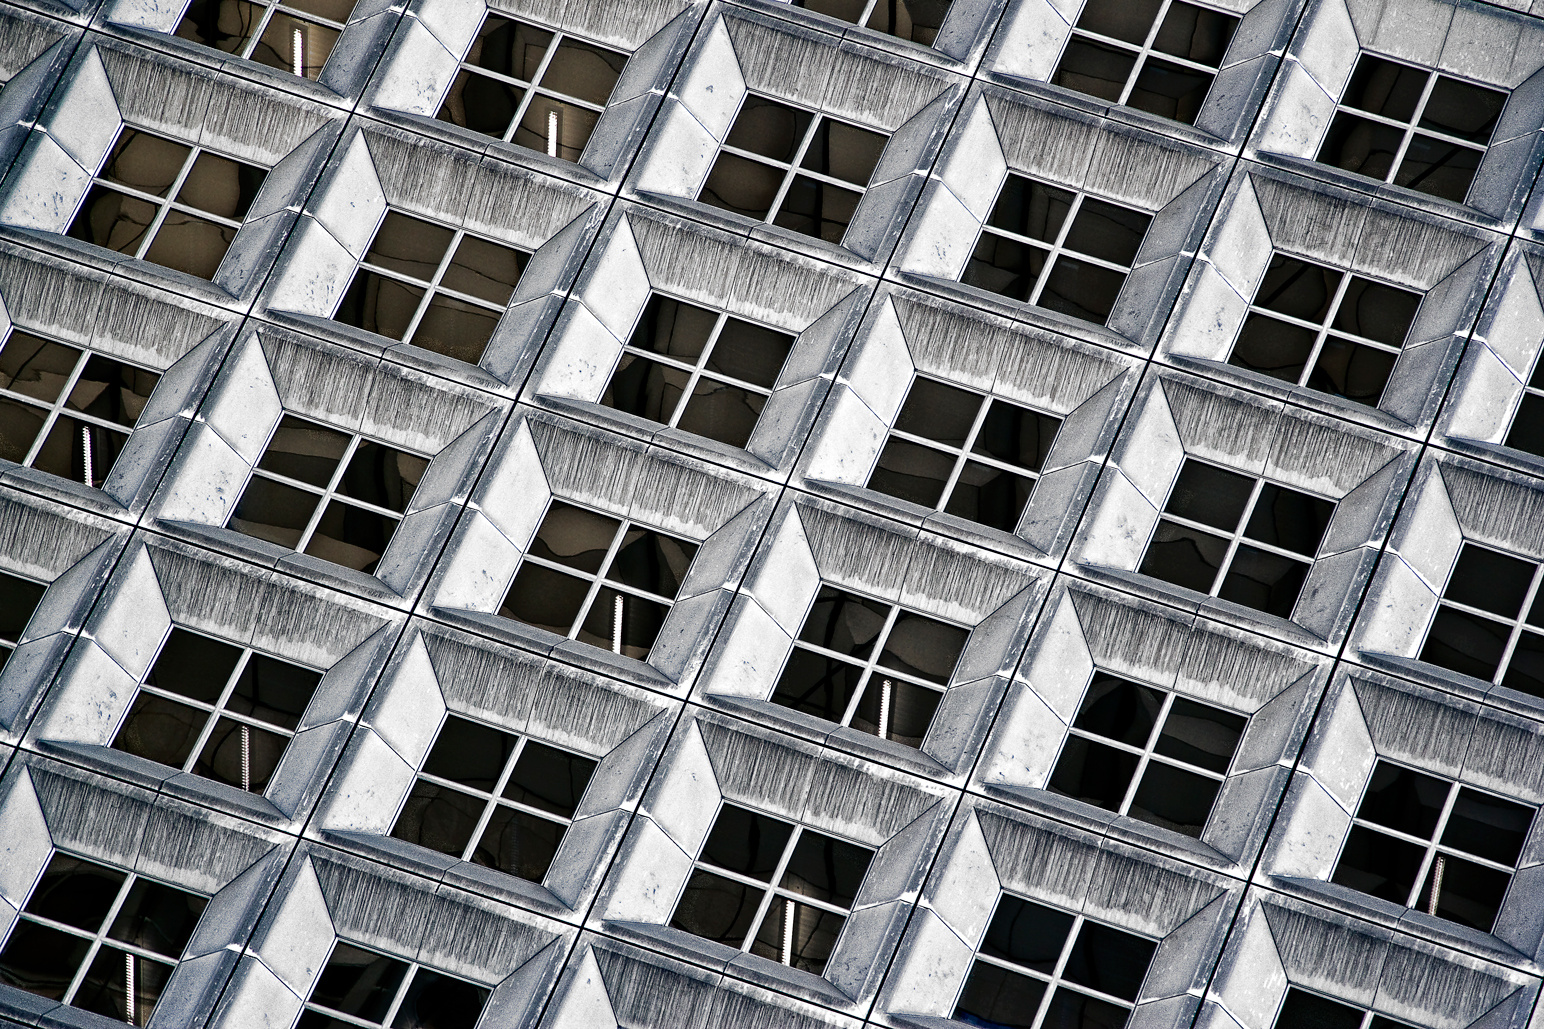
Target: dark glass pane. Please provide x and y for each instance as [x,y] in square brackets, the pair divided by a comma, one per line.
[1466,643]
[143,162]
[63,453]
[938,411]
[1487,826]
[1107,231]
[818,209]
[1070,1009]
[1297,288]
[304,451]
[1288,519]
[1200,734]
[1525,671]
[379,304]
[742,185]
[652,561]
[18,599]
[1403,799]
[816,684]
[716,908]
[913,472]
[113,220]
[519,843]
[1095,68]
[545,598]
[159,729]
[1385,88]
[36,367]
[814,934]
[485,269]
[1170,90]
[909,713]
[188,243]
[723,411]
[767,127]
[678,329]
[112,391]
[455,328]
[195,666]
[158,917]
[1093,773]
[844,622]
[1004,266]
[1273,347]
[75,891]
[1174,798]
[994,996]
[923,647]
[1377,311]
[1110,960]
[1184,556]
[1264,581]
[748,352]
[439,818]
[583,71]
[575,536]
[1439,168]
[1463,109]
[1527,432]
[276,48]
[1470,894]
[648,389]
[273,511]
[19,427]
[1490,580]
[223,24]
[844,151]
[481,104]
[1361,145]
[550,779]
[509,47]
[1128,20]
[826,869]
[1026,933]
[222,756]
[382,475]
[435,1000]
[916,20]
[746,842]
[1352,370]
[1119,710]
[221,186]
[470,753]
[1308,1011]
[358,982]
[1210,495]
[351,536]
[104,988]
[990,496]
[42,960]
[1195,33]
[641,620]
[1081,290]
[1016,435]
[1031,208]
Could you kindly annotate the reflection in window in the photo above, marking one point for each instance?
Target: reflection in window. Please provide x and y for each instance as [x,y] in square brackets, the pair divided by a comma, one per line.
[1329,330]
[1065,251]
[1246,540]
[803,171]
[1415,128]
[219,711]
[331,494]
[1158,56]
[1040,968]
[1490,620]
[972,455]
[19,598]
[296,37]
[494,798]
[916,20]
[169,203]
[359,987]
[1303,1010]
[876,667]
[1426,842]
[536,87]
[1147,753]
[98,938]
[699,370]
[605,581]
[775,889]
[435,287]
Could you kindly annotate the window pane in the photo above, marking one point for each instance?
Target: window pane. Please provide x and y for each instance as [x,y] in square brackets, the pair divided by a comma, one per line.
[485,269]
[989,495]
[1490,580]
[63,453]
[814,935]
[351,536]
[439,818]
[1004,266]
[1195,33]
[1186,557]
[826,869]
[1107,231]
[195,666]
[158,917]
[844,151]
[1527,431]
[675,328]
[19,427]
[1376,311]
[36,367]
[572,129]
[648,389]
[550,779]
[223,24]
[1081,290]
[1170,90]
[1026,933]
[916,20]
[1463,109]
[304,451]
[1273,347]
[273,690]
[1288,519]
[910,471]
[818,209]
[1465,643]
[1307,1011]
[455,329]
[994,996]
[1439,168]
[1109,960]
[147,163]
[1031,208]
[1471,894]
[358,982]
[1487,826]
[221,758]
[1379,865]
[113,220]
[1016,435]
[1385,88]
[844,622]
[938,411]
[1070,1009]
[545,598]
[652,561]
[112,391]
[273,511]
[1352,370]
[642,621]
[1525,671]
[750,353]
[379,304]
[434,999]
[1264,581]
[746,842]
[923,647]
[1119,710]
[816,684]
[221,186]
[1174,798]
[41,960]
[1200,734]
[382,475]
[76,892]
[188,243]
[1097,69]
[1361,145]
[158,729]
[769,128]
[481,104]
[18,599]
[722,411]
[716,908]
[103,989]
[911,710]
[509,47]
[1128,20]
[575,536]
[277,48]
[1093,773]
[583,71]
[409,245]
[518,843]
[470,753]
[743,186]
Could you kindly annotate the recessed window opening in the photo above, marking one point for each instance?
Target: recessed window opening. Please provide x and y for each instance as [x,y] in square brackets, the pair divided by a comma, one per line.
[874,666]
[99,938]
[1490,620]
[704,371]
[1247,540]
[1040,968]
[967,453]
[1329,330]
[434,286]
[1303,1010]
[167,202]
[602,580]
[19,599]
[916,20]
[494,798]
[331,494]
[1148,753]
[533,86]
[1430,843]
[1064,251]
[1527,430]
[296,37]
[1414,127]
[360,987]
[66,410]
[773,888]
[223,712]
[1159,56]
[794,168]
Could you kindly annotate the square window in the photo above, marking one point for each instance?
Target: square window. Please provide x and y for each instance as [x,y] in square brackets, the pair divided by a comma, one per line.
[217,710]
[295,37]
[371,989]
[331,494]
[1158,56]
[129,209]
[958,451]
[1147,753]
[433,286]
[536,87]
[1040,968]
[1488,622]
[1414,127]
[699,370]
[1427,842]
[779,890]
[1068,252]
[870,665]
[794,168]
[494,798]
[87,929]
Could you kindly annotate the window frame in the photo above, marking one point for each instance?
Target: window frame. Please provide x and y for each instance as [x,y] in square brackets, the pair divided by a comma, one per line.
[1517,624]
[414,966]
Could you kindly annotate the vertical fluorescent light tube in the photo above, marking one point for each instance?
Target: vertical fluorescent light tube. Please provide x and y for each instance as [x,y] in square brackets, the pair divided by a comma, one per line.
[298,50]
[552,132]
[884,710]
[246,759]
[1436,884]
[616,625]
[788,932]
[128,987]
[85,449]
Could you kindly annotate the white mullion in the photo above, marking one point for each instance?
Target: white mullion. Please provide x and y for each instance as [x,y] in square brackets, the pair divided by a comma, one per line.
[1430,846]
[867,676]
[1237,535]
[309,18]
[1323,329]
[162,206]
[1143,53]
[963,453]
[793,167]
[257,31]
[432,285]
[1059,968]
[1147,753]
[1404,143]
[530,90]
[217,709]
[1517,626]
[599,577]
[56,408]
[493,799]
[572,101]
[868,11]
[1073,210]
[777,877]
[413,968]
[696,370]
[327,494]
[101,934]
